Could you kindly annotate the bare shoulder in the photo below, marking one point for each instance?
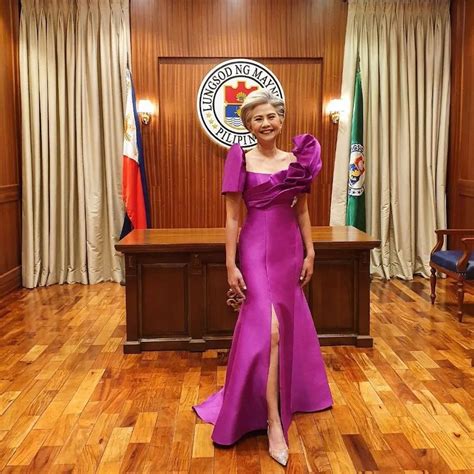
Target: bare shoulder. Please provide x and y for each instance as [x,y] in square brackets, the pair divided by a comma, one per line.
[250,153]
[252,158]
[256,162]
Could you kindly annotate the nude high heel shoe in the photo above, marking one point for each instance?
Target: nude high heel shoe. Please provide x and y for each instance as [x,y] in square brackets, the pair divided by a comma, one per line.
[280,456]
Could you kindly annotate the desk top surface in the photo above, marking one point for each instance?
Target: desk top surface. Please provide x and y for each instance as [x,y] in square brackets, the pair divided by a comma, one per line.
[152,240]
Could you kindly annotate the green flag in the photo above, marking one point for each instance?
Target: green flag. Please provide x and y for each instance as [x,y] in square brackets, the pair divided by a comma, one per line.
[355,213]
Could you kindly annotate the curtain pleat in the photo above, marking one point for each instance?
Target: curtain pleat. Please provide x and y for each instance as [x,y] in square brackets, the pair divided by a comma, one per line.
[73,58]
[404,49]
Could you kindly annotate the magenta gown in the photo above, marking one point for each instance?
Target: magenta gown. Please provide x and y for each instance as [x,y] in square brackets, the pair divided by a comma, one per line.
[271,256]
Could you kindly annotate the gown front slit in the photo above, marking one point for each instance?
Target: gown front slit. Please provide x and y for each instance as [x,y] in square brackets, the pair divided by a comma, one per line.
[271,256]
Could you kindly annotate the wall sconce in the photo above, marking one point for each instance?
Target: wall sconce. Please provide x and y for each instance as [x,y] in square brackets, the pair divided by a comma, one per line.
[335,109]
[145,109]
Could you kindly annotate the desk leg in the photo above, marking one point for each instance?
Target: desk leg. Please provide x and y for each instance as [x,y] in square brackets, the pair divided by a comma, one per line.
[197,291]
[363,333]
[132,344]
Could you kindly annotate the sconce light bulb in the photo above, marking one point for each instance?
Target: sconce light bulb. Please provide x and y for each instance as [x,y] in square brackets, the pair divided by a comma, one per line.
[145,109]
[335,108]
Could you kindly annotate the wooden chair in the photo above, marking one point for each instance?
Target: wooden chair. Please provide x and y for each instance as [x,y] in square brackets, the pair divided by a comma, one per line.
[458,264]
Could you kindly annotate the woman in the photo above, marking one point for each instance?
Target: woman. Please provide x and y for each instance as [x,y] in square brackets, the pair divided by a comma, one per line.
[275,366]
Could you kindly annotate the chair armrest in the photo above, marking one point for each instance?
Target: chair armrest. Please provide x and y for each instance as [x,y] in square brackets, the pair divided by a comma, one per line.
[439,242]
[440,233]
[457,232]
[468,244]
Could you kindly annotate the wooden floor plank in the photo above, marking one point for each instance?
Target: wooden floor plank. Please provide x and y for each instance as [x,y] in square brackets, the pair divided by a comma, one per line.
[115,450]
[70,400]
[26,452]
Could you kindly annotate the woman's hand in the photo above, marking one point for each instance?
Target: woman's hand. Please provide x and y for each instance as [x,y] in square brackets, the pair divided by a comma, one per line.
[236,281]
[306,270]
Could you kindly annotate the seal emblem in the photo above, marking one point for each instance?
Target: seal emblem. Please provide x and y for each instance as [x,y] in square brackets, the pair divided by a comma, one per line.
[221,94]
[356,171]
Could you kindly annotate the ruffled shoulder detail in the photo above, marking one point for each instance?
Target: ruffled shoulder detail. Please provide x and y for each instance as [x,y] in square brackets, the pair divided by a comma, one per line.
[308,153]
[284,185]
[308,163]
[235,173]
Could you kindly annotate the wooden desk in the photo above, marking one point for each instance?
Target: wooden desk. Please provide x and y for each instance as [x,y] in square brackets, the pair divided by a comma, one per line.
[176,284]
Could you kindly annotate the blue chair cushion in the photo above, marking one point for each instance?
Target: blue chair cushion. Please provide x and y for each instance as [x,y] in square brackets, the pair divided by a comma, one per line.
[448,258]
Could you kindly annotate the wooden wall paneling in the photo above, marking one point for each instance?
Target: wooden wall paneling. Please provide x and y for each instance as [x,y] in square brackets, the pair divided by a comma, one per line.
[214,28]
[189,168]
[461,139]
[9,237]
[9,30]
[333,55]
[457,28]
[174,44]
[466,168]
[10,242]
[193,164]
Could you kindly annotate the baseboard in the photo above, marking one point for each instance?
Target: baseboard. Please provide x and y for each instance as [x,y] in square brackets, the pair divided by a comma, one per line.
[10,281]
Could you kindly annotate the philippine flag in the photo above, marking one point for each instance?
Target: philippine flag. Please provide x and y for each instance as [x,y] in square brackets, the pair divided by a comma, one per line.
[134,187]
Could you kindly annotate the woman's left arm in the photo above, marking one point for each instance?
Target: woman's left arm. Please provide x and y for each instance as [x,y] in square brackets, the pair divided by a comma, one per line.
[304,222]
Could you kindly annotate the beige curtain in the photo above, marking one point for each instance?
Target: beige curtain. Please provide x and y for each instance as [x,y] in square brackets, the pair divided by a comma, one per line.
[404,48]
[73,58]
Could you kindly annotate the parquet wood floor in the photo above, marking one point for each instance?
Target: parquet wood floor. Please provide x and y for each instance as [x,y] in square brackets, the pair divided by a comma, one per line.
[70,401]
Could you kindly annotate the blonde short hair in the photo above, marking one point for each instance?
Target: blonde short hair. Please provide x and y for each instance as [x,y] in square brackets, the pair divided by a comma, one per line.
[260,97]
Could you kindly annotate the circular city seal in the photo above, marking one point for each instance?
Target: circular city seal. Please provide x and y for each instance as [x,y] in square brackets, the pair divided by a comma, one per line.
[356,170]
[221,94]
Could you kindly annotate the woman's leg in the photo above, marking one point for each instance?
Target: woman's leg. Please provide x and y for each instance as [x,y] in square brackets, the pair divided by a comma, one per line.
[275,435]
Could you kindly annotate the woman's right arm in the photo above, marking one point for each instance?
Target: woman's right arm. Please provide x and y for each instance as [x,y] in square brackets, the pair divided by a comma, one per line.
[234,276]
